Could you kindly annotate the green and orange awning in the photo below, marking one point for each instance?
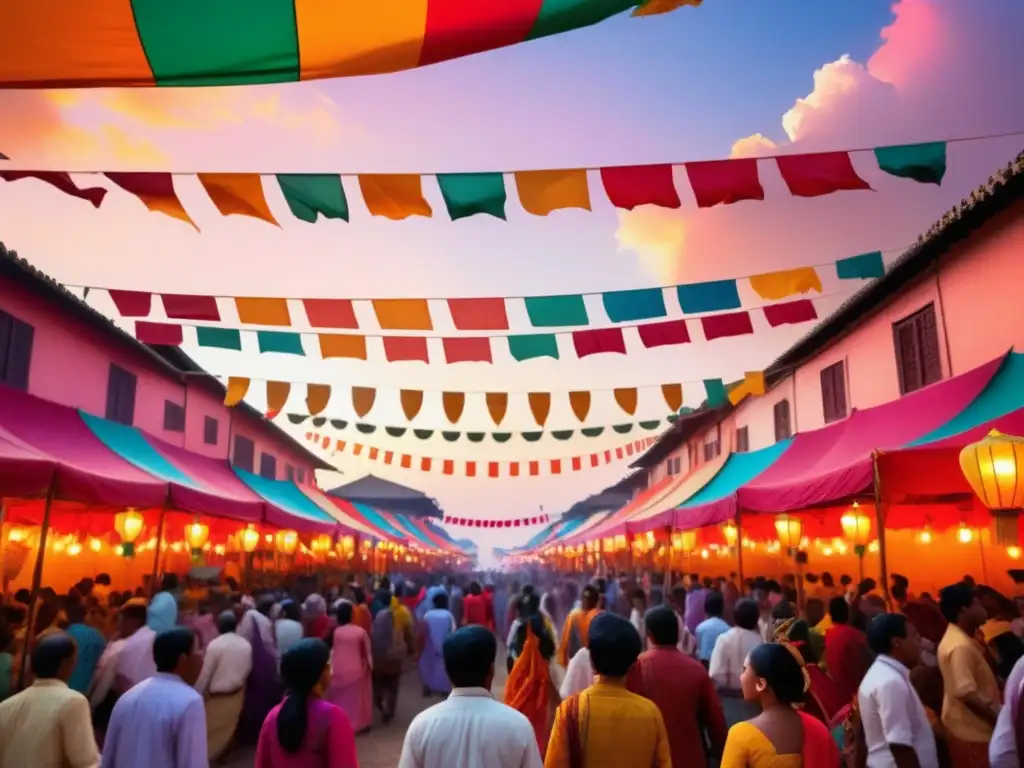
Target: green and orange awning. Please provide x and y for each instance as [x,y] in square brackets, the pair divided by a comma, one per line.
[147,43]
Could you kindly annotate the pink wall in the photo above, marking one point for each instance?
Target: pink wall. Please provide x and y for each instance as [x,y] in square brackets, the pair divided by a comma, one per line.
[71,365]
[976,291]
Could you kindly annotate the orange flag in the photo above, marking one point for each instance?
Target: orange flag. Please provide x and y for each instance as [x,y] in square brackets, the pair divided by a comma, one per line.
[317,397]
[412,401]
[342,345]
[540,405]
[362,400]
[541,192]
[773,286]
[497,406]
[627,399]
[453,403]
[238,193]
[256,311]
[580,404]
[277,396]
[673,394]
[394,195]
[655,7]
[403,314]
[238,387]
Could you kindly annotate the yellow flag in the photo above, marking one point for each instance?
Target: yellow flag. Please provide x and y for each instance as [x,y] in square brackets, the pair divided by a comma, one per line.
[236,390]
[541,192]
[791,282]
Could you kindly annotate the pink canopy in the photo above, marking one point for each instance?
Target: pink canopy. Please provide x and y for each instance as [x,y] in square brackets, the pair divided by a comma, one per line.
[23,472]
[827,465]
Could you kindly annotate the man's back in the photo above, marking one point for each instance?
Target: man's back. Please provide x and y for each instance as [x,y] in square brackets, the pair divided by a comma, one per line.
[686,698]
[160,723]
[468,730]
[47,725]
[616,727]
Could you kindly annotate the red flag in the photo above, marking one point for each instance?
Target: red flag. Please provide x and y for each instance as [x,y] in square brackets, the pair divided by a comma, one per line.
[426,463]
[190,307]
[630,186]
[664,334]
[534,468]
[470,469]
[467,349]
[725,325]
[556,466]
[166,334]
[61,181]
[599,341]
[513,469]
[132,303]
[155,191]
[819,174]
[405,348]
[492,469]
[725,181]
[790,312]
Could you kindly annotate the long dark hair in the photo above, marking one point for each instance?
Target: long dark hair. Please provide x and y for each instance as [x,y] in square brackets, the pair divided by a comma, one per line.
[530,617]
[301,668]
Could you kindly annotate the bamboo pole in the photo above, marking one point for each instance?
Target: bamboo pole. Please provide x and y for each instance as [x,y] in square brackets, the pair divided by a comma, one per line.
[154,585]
[739,549]
[883,564]
[37,578]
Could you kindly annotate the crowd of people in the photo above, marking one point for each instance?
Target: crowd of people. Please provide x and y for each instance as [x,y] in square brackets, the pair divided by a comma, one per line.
[650,671]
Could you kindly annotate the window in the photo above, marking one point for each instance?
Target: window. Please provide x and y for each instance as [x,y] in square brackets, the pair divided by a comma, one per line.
[833,392]
[174,417]
[244,456]
[289,472]
[742,440]
[121,395]
[15,350]
[783,427]
[210,428]
[268,466]
[713,443]
[301,475]
[916,339]
[674,465]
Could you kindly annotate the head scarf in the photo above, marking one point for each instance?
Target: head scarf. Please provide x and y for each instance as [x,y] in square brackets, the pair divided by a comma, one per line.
[782,638]
[162,614]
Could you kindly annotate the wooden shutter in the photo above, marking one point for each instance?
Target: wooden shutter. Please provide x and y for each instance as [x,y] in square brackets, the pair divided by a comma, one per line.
[289,471]
[742,440]
[19,357]
[121,395]
[833,392]
[268,466]
[244,454]
[210,426]
[783,430]
[928,343]
[174,417]
[6,324]
[301,474]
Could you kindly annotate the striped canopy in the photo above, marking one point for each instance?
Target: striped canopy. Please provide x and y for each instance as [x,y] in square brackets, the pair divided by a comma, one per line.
[146,43]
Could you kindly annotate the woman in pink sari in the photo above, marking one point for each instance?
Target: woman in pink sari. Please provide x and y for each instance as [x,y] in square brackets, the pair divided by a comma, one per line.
[351,664]
[781,736]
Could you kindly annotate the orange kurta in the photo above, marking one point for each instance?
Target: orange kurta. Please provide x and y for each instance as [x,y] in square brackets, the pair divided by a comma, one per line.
[528,686]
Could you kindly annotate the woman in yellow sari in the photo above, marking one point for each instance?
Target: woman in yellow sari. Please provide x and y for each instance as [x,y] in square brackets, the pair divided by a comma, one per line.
[529,689]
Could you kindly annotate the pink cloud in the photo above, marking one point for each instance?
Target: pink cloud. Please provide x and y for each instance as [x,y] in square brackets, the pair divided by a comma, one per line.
[933,76]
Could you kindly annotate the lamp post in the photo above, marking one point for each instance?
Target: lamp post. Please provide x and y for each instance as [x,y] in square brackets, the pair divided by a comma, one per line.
[857,529]
[992,468]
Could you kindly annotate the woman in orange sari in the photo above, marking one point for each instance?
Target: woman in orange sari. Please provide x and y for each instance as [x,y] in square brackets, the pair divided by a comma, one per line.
[529,689]
[781,736]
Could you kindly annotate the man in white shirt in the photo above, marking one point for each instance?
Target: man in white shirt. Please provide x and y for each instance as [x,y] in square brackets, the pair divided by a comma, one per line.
[896,727]
[130,620]
[1002,750]
[222,681]
[470,728]
[728,658]
[579,676]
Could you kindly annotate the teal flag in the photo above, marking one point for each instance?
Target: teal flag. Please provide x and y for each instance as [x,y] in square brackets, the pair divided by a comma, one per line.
[311,194]
[284,342]
[533,345]
[221,338]
[713,296]
[467,194]
[640,304]
[556,311]
[715,389]
[862,267]
[925,163]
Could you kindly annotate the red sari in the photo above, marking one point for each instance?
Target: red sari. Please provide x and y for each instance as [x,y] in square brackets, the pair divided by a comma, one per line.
[527,689]
[820,749]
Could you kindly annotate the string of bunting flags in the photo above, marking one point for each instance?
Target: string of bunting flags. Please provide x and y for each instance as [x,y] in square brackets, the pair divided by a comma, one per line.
[489,469]
[145,44]
[469,522]
[492,313]
[363,399]
[540,192]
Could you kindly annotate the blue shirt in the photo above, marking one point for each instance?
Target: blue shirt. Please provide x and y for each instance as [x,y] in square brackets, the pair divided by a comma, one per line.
[708,631]
[91,644]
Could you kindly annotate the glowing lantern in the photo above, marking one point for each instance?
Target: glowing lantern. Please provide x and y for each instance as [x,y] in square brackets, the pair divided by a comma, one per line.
[128,525]
[1013,553]
[991,468]
[250,538]
[321,543]
[789,531]
[17,534]
[75,549]
[731,533]
[964,534]
[287,542]
[196,535]
[925,537]
[95,544]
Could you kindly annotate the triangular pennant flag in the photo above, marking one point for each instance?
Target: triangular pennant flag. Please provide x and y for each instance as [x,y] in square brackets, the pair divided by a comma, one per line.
[362,400]
[412,401]
[497,406]
[627,399]
[673,394]
[317,397]
[540,405]
[716,394]
[277,396]
[238,193]
[453,403]
[238,387]
[580,404]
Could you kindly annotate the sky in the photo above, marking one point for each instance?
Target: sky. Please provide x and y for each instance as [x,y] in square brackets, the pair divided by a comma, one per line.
[734,78]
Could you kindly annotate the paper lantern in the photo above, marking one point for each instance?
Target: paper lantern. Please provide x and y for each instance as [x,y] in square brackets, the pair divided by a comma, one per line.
[196,536]
[788,529]
[129,525]
[348,544]
[731,533]
[321,543]
[287,542]
[856,526]
[992,468]
[250,538]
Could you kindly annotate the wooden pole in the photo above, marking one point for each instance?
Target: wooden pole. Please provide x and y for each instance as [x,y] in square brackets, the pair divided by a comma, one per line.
[154,585]
[739,550]
[883,564]
[3,543]
[37,578]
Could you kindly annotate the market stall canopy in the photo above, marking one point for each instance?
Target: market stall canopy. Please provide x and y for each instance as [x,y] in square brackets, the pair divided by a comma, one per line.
[24,473]
[612,497]
[829,465]
[345,513]
[621,515]
[659,513]
[302,513]
[387,496]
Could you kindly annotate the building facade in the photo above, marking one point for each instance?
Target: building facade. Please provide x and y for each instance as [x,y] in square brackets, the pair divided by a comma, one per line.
[55,346]
[948,305]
